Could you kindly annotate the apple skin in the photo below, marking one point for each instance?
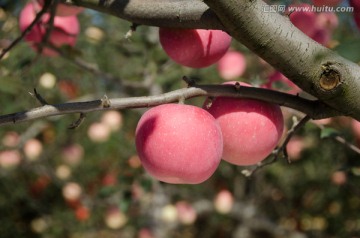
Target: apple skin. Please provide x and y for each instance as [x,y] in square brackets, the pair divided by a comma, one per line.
[194,48]
[65,29]
[251,128]
[231,65]
[179,144]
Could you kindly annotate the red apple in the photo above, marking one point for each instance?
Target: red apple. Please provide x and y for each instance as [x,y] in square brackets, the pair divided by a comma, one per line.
[186,212]
[9,158]
[82,213]
[33,149]
[194,48]
[339,178]
[231,65]
[65,29]
[72,191]
[294,147]
[224,201]
[99,132]
[179,143]
[64,9]
[251,128]
[72,154]
[11,139]
[303,19]
[329,3]
[115,218]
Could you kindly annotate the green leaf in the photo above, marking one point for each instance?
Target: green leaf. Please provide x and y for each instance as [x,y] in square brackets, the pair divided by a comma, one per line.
[328,132]
[349,49]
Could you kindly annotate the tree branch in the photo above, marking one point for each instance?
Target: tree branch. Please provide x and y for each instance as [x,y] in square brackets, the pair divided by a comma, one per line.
[314,109]
[162,13]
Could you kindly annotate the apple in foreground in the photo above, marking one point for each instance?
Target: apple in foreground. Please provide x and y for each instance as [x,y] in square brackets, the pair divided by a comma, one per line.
[251,128]
[179,143]
[194,48]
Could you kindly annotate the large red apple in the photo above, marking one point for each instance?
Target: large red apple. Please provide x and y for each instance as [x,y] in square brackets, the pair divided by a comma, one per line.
[64,32]
[194,48]
[251,128]
[179,143]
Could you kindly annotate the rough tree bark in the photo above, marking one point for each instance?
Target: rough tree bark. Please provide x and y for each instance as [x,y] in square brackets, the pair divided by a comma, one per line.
[314,68]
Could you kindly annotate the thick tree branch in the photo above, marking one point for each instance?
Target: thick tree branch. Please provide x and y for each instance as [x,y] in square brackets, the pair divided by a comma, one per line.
[314,109]
[162,13]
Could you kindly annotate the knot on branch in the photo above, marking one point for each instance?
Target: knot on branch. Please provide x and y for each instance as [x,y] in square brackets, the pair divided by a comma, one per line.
[330,77]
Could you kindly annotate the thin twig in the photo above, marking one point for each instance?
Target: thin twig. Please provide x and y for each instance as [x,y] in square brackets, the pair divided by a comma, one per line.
[78,122]
[40,98]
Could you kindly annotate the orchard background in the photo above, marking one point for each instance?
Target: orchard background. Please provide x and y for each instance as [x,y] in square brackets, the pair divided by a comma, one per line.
[89,182]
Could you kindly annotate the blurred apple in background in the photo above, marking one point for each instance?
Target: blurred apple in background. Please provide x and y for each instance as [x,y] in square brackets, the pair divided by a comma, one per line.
[114,218]
[72,154]
[98,132]
[224,201]
[9,158]
[33,149]
[64,32]
[186,213]
[232,65]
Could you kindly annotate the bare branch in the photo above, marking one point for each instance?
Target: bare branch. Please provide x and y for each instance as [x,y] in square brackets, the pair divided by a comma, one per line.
[162,13]
[315,109]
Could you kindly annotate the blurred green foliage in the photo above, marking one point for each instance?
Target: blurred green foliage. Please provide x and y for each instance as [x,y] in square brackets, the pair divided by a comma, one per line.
[317,195]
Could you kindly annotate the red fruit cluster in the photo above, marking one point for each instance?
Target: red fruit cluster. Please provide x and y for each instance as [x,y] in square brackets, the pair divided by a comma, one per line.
[64,32]
[184,144]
